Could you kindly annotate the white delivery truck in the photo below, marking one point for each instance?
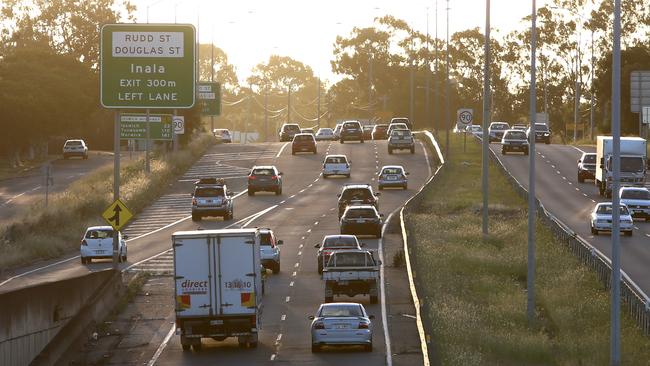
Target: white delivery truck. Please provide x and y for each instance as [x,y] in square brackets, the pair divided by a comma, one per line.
[218,285]
[633,163]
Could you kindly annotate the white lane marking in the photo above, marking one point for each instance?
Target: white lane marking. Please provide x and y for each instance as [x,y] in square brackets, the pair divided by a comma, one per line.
[273,356]
[426,157]
[594,201]
[558,172]
[577,189]
[316,223]
[302,238]
[570,183]
[287,299]
[258,215]
[278,339]
[552,166]
[292,196]
[648,235]
[282,149]
[13,198]
[37,269]
[297,265]
[309,231]
[311,185]
[636,227]
[577,149]
[300,253]
[283,201]
[283,317]
[584,194]
[162,346]
[302,190]
[288,208]
[300,246]
[543,157]
[384,317]
[294,274]
[564,178]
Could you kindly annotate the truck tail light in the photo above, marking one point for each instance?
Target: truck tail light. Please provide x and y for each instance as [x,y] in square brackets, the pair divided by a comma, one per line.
[251,177]
[319,325]
[254,321]
[275,177]
[363,325]
[84,243]
[193,201]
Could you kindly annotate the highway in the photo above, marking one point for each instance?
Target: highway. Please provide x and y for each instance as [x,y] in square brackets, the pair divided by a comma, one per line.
[558,189]
[301,217]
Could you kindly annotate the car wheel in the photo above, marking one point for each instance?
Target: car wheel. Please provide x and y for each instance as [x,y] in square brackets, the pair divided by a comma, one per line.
[628,233]
[381,188]
[197,346]
[124,258]
[325,176]
[526,152]
[85,157]
[548,142]
[594,231]
[368,347]
[342,141]
[412,150]
[580,179]
[347,175]
[278,192]
[390,151]
[315,348]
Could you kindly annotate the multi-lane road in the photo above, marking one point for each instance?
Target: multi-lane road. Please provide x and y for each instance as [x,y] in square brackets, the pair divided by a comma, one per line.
[301,217]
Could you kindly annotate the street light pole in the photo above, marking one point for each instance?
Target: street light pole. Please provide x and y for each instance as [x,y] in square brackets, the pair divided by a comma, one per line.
[486,119]
[436,106]
[591,93]
[447,112]
[530,308]
[427,70]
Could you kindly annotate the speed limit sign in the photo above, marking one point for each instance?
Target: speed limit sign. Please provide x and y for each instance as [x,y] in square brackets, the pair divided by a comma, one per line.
[179,124]
[465,116]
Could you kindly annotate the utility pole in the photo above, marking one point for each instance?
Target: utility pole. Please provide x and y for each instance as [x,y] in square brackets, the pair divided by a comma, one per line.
[577,91]
[370,109]
[530,308]
[248,113]
[447,96]
[411,87]
[436,84]
[318,110]
[212,80]
[289,105]
[486,118]
[427,96]
[116,183]
[266,113]
[591,92]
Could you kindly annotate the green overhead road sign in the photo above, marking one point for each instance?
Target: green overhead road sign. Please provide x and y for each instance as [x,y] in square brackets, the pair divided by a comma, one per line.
[133,126]
[209,96]
[148,65]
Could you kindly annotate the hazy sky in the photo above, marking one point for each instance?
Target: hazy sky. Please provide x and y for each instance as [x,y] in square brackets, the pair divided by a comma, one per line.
[249,31]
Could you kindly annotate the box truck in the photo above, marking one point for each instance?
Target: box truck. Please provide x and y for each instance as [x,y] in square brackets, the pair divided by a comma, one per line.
[218,285]
[633,163]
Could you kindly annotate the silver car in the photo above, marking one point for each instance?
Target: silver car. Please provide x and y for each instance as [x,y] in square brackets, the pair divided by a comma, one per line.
[392,176]
[269,250]
[341,323]
[336,165]
[637,200]
[325,134]
[601,219]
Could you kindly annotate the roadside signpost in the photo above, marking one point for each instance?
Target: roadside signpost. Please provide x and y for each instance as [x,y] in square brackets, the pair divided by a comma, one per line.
[179,125]
[464,118]
[209,95]
[145,66]
[117,215]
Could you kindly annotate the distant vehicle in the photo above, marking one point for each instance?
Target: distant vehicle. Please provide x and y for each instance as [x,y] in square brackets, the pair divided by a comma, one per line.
[392,176]
[265,178]
[222,135]
[380,132]
[331,243]
[396,126]
[325,134]
[357,194]
[336,165]
[601,219]
[342,323]
[542,133]
[514,140]
[217,285]
[403,120]
[367,131]
[633,163]
[496,130]
[211,198]
[337,131]
[303,142]
[476,130]
[361,220]
[351,273]
[351,130]
[288,131]
[401,140]
[587,167]
[97,243]
[75,148]
[269,250]
[637,200]
[308,130]
[519,127]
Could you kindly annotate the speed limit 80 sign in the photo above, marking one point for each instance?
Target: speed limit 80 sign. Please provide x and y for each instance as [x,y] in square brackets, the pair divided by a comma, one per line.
[465,117]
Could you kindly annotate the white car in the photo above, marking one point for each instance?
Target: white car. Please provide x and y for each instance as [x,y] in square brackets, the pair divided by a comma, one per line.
[336,165]
[397,126]
[341,323]
[75,148]
[222,135]
[325,134]
[601,219]
[97,243]
[475,129]
[269,251]
[637,200]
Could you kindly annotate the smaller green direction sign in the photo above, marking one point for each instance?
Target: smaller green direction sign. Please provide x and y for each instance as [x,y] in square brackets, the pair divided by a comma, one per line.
[133,126]
[209,96]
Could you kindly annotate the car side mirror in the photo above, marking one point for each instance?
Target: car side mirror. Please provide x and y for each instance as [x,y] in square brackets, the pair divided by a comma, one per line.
[311,317]
[279,242]
[371,316]
[316,245]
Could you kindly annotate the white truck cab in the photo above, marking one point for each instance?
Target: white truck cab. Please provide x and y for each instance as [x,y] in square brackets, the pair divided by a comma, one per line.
[633,163]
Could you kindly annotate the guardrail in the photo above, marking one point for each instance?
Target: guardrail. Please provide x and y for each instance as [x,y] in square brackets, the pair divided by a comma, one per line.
[632,297]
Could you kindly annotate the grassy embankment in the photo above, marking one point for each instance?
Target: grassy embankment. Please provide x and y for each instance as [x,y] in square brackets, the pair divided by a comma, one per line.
[475,291]
[45,233]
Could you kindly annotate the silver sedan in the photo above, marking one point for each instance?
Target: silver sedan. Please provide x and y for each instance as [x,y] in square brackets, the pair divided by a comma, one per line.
[341,323]
[601,219]
[392,176]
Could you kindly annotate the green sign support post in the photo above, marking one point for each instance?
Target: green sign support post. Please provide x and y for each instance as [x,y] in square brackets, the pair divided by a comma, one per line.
[145,66]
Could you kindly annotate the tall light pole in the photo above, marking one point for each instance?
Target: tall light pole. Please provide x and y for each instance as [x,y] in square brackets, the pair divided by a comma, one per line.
[591,91]
[427,111]
[318,110]
[436,106]
[447,92]
[289,104]
[615,342]
[530,308]
[486,118]
[411,86]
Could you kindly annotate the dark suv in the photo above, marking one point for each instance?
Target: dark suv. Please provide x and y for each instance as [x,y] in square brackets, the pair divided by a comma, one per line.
[264,178]
[303,142]
[288,131]
[361,220]
[351,130]
[587,167]
[211,198]
[542,133]
[357,194]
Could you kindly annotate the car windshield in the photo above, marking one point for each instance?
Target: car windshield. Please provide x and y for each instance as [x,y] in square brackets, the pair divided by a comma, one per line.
[607,210]
[292,128]
[266,172]
[208,192]
[400,120]
[335,160]
[304,138]
[340,242]
[360,213]
[391,171]
[635,194]
[265,239]
[72,143]
[351,125]
[589,159]
[99,234]
[516,135]
[541,127]
[351,259]
[381,128]
[400,133]
[340,311]
[356,194]
[398,126]
[323,131]
[499,126]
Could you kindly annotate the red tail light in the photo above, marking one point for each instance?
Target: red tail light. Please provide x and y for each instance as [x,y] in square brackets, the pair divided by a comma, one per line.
[193,201]
[363,325]
[319,325]
[83,242]
[275,177]
[251,177]
[254,321]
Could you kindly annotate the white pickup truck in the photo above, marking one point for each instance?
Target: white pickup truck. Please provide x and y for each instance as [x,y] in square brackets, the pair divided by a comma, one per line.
[351,273]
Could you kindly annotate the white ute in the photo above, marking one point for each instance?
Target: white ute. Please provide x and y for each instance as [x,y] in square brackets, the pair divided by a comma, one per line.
[218,285]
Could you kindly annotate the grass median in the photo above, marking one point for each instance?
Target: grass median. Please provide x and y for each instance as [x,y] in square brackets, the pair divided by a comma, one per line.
[48,232]
[474,291]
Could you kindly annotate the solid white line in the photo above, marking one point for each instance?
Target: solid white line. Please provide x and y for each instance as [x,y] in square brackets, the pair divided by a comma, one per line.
[577,149]
[258,215]
[13,198]
[273,357]
[384,317]
[282,149]
[162,346]
[426,156]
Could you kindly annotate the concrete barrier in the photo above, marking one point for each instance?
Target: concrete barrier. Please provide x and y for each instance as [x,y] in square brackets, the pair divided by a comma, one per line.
[48,314]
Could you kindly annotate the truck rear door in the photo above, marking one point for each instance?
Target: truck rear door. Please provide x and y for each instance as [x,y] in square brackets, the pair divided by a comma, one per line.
[192,269]
[238,282]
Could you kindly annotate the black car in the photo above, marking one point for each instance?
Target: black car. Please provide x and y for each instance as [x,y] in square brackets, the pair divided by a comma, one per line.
[361,220]
[351,130]
[335,242]
[587,167]
[542,133]
[288,131]
[211,198]
[357,194]
[265,178]
[303,142]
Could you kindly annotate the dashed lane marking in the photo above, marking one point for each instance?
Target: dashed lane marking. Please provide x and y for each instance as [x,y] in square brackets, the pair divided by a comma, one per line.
[287,299]
[283,317]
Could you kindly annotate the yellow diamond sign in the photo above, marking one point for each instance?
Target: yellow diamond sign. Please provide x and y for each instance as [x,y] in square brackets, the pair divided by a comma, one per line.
[117,215]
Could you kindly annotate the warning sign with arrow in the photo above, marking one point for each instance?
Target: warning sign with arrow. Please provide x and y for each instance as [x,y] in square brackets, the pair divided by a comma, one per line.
[117,215]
